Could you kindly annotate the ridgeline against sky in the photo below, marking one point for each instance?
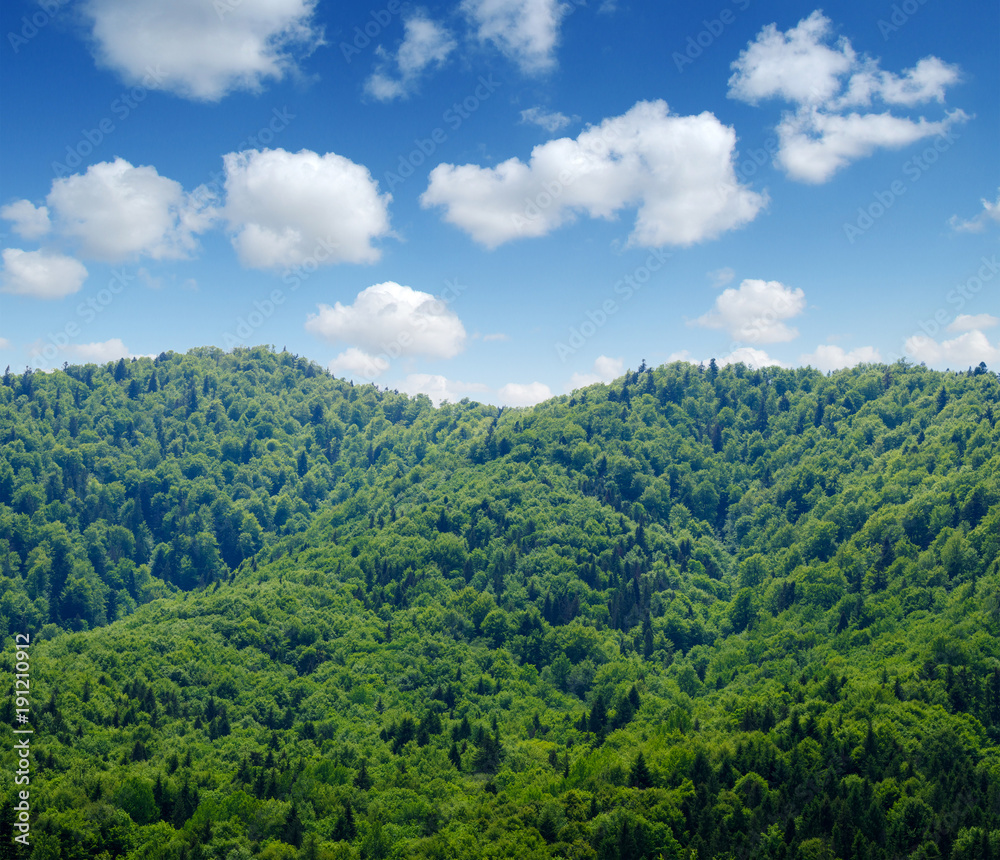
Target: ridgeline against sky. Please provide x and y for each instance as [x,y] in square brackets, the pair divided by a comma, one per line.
[501,199]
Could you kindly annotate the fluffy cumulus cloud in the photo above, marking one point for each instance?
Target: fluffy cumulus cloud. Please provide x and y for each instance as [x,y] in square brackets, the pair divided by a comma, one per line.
[832,88]
[425,44]
[283,209]
[551,121]
[29,221]
[966,350]
[676,170]
[971,322]
[795,65]
[751,357]
[989,215]
[523,394]
[756,311]
[116,211]
[604,369]
[526,31]
[286,209]
[388,321]
[41,274]
[829,357]
[439,388]
[200,49]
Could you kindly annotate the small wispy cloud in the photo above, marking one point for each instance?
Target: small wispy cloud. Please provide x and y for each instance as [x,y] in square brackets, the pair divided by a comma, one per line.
[425,44]
[721,277]
[989,215]
[551,121]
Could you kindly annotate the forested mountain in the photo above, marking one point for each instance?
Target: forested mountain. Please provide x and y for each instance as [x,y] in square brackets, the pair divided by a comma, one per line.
[698,612]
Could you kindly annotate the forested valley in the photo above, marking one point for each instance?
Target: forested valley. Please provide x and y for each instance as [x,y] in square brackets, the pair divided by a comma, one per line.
[699,612]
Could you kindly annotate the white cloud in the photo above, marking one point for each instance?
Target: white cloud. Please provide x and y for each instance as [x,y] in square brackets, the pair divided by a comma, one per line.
[608,368]
[966,350]
[824,79]
[970,322]
[925,82]
[99,352]
[384,88]
[756,311]
[425,43]
[288,208]
[391,319]
[440,388]
[801,66]
[751,357]
[523,394]
[814,145]
[4,343]
[283,209]
[677,171]
[526,31]
[604,369]
[551,122]
[496,336]
[356,362]
[199,49]
[41,274]
[794,65]
[721,277]
[30,222]
[828,357]
[990,213]
[117,211]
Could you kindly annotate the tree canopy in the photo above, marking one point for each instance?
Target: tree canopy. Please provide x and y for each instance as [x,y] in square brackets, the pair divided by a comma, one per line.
[713,612]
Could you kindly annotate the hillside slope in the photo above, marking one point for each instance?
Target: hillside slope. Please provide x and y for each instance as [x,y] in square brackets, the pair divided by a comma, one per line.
[711,612]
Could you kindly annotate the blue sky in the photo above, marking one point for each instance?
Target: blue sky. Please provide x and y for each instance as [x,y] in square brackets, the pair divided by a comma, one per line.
[501,199]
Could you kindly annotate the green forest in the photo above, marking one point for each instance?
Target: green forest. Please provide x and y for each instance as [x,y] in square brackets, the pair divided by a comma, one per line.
[699,612]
